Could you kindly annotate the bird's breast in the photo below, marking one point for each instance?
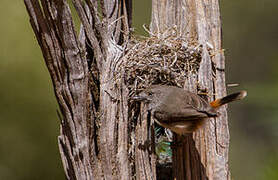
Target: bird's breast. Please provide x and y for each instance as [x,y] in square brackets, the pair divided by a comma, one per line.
[183,127]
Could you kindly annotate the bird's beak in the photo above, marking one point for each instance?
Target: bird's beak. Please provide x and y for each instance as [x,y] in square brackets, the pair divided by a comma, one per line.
[141,97]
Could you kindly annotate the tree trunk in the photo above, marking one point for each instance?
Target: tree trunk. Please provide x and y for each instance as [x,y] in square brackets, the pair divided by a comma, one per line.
[203,155]
[99,138]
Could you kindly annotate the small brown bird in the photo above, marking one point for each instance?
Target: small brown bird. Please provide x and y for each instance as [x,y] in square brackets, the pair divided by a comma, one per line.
[179,110]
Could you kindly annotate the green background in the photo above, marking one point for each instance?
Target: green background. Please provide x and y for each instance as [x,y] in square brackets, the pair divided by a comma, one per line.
[29,125]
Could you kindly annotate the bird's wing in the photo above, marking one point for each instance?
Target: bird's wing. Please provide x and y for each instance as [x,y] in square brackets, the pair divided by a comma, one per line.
[191,107]
[176,115]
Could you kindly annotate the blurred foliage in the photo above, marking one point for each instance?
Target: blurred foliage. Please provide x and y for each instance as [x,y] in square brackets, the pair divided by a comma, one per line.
[250,36]
[29,124]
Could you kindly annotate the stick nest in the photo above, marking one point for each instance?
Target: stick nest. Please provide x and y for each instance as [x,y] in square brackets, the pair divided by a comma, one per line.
[167,59]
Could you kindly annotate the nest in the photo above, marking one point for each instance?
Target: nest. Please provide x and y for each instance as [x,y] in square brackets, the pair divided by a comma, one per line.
[166,59]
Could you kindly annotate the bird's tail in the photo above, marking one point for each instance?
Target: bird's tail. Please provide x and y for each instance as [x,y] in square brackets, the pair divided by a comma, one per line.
[232,97]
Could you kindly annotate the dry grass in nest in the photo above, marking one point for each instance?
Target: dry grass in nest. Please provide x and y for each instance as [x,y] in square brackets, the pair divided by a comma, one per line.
[160,60]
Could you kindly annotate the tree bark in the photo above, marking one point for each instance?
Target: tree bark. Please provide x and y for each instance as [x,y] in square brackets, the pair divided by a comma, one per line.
[203,155]
[94,140]
[98,138]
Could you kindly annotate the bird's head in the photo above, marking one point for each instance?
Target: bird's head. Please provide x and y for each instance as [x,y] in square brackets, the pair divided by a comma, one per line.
[150,94]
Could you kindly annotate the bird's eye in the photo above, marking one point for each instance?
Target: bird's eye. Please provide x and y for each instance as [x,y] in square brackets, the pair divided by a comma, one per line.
[150,93]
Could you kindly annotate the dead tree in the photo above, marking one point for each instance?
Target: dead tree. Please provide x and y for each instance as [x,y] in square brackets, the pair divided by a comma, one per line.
[100,138]
[204,155]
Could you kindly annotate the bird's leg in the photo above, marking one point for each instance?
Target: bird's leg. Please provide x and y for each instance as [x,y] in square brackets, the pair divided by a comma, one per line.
[145,146]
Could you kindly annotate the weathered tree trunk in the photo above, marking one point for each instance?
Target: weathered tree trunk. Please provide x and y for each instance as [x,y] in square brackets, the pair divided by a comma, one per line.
[99,139]
[203,155]
[93,141]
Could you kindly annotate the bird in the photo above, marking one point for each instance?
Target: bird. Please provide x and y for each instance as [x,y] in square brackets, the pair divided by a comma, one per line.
[179,110]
